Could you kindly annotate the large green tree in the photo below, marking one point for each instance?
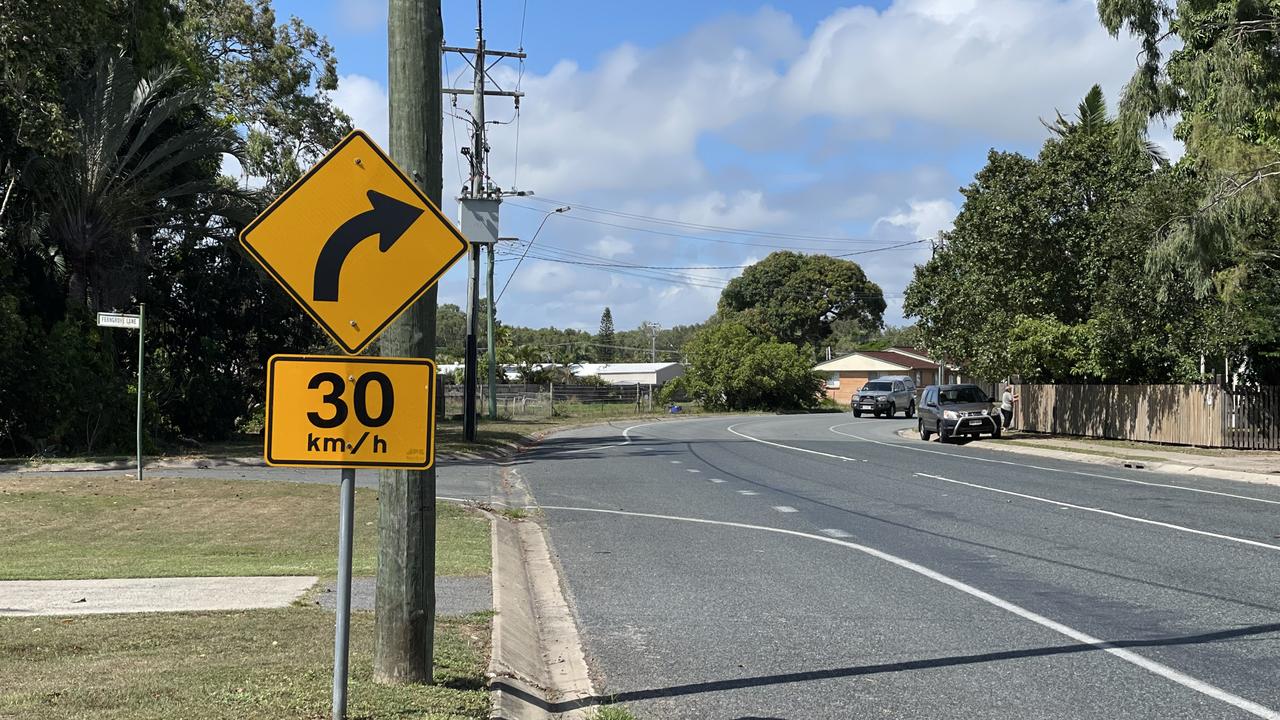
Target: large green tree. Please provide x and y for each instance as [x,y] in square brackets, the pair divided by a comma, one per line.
[1212,64]
[1039,270]
[795,298]
[732,368]
[110,195]
[605,338]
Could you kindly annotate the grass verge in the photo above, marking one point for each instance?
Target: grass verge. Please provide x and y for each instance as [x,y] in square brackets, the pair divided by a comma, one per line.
[261,664]
[67,528]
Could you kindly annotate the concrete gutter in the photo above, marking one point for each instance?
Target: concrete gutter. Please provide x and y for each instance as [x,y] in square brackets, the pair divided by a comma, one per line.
[1119,461]
[144,595]
[538,668]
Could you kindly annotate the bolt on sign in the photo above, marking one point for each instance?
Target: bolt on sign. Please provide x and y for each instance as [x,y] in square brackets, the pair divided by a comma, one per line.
[316,240]
[344,412]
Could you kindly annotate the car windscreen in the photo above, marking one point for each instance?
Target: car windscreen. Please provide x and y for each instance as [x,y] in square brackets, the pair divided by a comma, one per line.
[878,386]
[953,396]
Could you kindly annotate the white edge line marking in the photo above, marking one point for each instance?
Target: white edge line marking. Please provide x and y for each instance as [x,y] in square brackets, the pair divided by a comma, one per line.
[1171,526]
[1100,511]
[785,509]
[1128,656]
[904,446]
[626,434]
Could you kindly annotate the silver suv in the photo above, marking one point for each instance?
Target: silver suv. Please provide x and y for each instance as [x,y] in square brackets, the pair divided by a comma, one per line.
[886,396]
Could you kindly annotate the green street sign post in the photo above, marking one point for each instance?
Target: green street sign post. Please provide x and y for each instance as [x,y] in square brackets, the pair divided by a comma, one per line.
[131,322]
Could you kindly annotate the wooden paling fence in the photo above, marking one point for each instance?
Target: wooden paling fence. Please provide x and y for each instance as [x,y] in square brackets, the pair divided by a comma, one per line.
[1203,415]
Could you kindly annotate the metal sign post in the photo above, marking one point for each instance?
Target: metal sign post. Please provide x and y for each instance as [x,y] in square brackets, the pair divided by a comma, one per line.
[342,626]
[132,322]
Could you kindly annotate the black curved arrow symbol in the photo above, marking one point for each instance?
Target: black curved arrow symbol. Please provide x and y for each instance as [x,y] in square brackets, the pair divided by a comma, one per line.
[389,218]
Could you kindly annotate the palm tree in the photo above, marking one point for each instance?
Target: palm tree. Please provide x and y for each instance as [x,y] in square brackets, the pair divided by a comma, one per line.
[146,160]
[1091,118]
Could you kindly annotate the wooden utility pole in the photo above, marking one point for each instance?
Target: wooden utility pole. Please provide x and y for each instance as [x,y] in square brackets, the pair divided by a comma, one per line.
[406,598]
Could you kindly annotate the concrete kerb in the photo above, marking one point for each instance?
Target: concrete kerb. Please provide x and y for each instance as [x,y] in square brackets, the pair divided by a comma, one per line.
[1115,461]
[538,669]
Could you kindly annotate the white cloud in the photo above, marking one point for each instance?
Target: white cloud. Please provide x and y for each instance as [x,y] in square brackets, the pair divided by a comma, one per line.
[924,218]
[365,100]
[994,66]
[611,247]
[921,83]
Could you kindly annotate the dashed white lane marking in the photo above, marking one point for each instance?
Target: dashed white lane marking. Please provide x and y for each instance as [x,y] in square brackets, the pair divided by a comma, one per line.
[1100,511]
[788,447]
[1128,656]
[785,509]
[835,533]
[1049,469]
[692,470]
[716,480]
[676,462]
[747,492]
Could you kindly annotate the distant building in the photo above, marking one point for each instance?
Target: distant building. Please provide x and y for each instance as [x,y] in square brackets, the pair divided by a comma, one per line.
[655,374]
[630,373]
[845,375]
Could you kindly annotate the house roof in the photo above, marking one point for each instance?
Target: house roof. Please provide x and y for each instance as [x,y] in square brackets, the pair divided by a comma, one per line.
[865,361]
[914,352]
[876,361]
[902,358]
[584,369]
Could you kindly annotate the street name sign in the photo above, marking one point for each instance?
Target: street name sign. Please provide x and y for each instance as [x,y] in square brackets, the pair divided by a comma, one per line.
[316,241]
[343,412]
[120,320]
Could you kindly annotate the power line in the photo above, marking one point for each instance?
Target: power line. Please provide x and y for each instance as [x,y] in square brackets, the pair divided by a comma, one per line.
[620,263]
[698,238]
[708,228]
[557,211]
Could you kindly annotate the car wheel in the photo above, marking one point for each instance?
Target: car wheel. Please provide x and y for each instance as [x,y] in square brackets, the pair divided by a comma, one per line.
[857,413]
[911,409]
[995,434]
[943,436]
[924,434]
[893,409]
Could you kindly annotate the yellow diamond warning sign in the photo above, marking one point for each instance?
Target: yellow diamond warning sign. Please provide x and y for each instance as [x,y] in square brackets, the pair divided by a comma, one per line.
[318,241]
[334,411]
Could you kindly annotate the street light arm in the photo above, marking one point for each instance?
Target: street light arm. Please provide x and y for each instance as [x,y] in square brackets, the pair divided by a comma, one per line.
[546,217]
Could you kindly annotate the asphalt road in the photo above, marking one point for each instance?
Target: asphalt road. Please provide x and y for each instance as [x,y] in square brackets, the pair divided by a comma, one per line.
[822,567]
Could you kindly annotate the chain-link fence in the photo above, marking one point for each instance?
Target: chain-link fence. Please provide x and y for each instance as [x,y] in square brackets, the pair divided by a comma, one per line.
[554,400]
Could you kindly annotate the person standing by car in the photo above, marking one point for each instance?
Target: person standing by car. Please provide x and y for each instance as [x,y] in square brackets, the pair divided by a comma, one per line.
[1007,399]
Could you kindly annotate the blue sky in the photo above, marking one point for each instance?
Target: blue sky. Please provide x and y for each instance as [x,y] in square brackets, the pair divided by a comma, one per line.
[817,126]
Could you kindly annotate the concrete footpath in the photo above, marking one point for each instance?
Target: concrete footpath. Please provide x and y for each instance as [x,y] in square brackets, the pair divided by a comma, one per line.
[144,595]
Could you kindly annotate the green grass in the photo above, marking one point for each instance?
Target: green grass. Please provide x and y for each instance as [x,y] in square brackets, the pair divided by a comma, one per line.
[254,665]
[1125,446]
[65,528]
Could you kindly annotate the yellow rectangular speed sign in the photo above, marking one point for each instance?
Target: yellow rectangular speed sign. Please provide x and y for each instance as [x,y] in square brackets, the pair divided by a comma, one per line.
[347,412]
